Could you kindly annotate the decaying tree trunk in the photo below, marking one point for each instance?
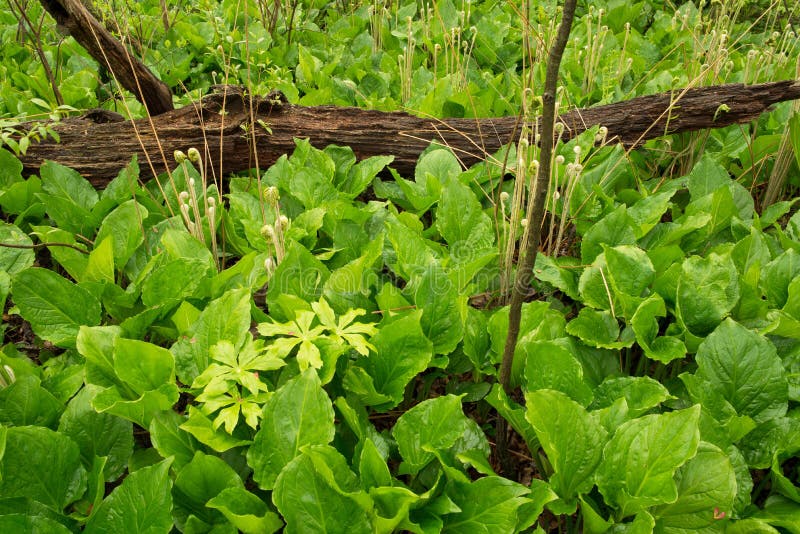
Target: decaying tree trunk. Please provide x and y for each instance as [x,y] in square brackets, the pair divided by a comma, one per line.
[99,144]
[73,18]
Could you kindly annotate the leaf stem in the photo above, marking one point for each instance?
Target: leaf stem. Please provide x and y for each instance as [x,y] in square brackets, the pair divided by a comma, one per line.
[42,245]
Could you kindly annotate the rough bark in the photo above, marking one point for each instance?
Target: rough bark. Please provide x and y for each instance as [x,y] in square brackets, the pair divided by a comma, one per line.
[73,18]
[99,144]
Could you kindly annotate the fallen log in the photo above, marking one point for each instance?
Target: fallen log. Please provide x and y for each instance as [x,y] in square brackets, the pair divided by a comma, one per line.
[74,18]
[225,124]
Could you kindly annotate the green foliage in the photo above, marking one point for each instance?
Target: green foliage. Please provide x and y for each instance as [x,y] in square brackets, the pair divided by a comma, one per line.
[341,378]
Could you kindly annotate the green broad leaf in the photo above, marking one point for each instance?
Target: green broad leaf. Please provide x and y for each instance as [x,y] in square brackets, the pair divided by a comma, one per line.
[777,275]
[5,290]
[22,198]
[23,506]
[385,370]
[311,187]
[560,272]
[71,260]
[773,213]
[178,243]
[549,365]
[616,228]
[640,460]
[359,382]
[671,233]
[412,253]
[630,271]
[357,420]
[337,505]
[225,318]
[794,135]
[721,208]
[438,163]
[125,225]
[96,345]
[26,402]
[750,526]
[476,342]
[248,272]
[120,188]
[299,413]
[64,377]
[598,329]
[142,365]
[744,480]
[392,507]
[140,410]
[442,308]
[616,280]
[98,435]
[489,504]
[416,196]
[68,198]
[361,175]
[641,393]
[350,286]
[572,439]
[745,370]
[434,425]
[202,429]
[706,177]
[31,523]
[299,274]
[10,169]
[514,414]
[14,260]
[100,267]
[646,328]
[643,523]
[528,514]
[538,321]
[780,512]
[372,469]
[706,488]
[198,482]
[174,281]
[245,511]
[462,223]
[141,504]
[42,465]
[707,290]
[55,307]
[647,212]
[169,439]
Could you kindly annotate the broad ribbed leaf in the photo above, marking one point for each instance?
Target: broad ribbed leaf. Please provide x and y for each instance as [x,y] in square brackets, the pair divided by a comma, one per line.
[487,505]
[42,465]
[571,437]
[226,318]
[142,504]
[745,370]
[706,483]
[640,460]
[55,307]
[323,500]
[299,413]
[98,434]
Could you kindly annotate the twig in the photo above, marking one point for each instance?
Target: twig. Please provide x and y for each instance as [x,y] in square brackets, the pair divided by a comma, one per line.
[42,245]
[535,211]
